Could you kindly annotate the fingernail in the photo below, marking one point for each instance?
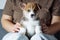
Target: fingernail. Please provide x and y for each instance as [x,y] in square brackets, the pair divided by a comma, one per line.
[13,31]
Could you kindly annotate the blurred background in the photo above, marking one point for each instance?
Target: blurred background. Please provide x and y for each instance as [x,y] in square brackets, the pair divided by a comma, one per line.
[2,5]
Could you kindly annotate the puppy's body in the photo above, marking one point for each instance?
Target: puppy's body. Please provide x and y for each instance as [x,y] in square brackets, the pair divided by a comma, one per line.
[30,25]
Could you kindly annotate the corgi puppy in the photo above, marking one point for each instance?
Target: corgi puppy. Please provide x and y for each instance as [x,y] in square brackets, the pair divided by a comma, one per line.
[29,19]
[30,25]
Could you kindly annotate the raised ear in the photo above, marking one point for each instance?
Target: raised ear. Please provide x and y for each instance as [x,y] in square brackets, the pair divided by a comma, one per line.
[22,5]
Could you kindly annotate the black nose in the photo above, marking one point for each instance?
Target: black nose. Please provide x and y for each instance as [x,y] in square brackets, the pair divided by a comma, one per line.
[32,15]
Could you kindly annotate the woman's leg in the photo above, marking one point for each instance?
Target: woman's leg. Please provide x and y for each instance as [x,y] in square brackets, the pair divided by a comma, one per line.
[15,36]
[38,37]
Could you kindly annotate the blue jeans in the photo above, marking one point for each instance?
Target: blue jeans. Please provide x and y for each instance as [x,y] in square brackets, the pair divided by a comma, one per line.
[49,37]
[16,36]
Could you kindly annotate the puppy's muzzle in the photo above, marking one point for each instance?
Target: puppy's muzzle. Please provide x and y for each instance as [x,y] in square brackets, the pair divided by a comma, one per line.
[32,15]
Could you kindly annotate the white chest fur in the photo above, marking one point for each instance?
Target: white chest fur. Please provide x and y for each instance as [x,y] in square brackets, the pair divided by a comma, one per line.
[31,26]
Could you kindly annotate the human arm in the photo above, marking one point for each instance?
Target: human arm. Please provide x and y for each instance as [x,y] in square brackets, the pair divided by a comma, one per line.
[8,25]
[54,27]
[55,23]
[6,20]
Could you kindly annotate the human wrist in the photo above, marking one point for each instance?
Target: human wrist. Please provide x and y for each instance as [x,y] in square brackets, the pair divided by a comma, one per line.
[55,27]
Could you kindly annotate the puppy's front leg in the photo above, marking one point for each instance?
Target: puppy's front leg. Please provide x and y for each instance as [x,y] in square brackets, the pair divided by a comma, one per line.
[22,30]
[37,35]
[38,30]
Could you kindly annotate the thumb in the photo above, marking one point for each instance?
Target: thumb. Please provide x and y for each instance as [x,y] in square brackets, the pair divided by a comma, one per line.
[17,23]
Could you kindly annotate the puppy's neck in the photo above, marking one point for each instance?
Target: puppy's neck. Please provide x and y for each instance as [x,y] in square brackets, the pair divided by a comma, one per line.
[30,19]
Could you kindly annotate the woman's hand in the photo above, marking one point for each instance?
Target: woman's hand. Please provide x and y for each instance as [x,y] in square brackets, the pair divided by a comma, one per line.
[48,30]
[15,28]
[8,25]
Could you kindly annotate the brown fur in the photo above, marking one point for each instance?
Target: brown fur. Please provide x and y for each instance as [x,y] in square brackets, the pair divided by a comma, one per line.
[30,6]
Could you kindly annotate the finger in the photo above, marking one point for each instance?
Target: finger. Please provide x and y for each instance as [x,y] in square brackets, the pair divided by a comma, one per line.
[46,32]
[44,25]
[17,24]
[44,28]
[16,30]
[13,31]
[18,27]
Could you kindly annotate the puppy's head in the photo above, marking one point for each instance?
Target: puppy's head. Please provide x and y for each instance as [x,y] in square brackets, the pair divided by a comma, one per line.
[29,9]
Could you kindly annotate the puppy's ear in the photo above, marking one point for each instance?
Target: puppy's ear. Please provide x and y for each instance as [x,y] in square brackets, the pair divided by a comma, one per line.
[22,5]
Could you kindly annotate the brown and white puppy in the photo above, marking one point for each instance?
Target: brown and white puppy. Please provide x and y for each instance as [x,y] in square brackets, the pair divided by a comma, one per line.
[31,24]
[29,21]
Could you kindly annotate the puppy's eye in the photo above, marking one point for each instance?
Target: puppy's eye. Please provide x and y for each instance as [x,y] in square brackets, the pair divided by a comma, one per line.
[28,10]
